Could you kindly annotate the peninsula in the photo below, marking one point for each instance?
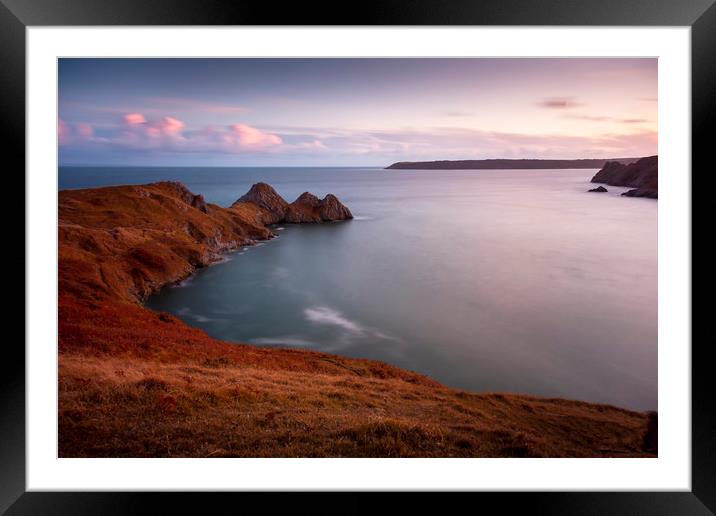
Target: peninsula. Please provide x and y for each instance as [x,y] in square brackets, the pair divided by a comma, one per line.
[137,383]
[505,164]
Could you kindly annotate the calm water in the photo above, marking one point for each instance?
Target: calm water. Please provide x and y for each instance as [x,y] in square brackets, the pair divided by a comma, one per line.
[485,280]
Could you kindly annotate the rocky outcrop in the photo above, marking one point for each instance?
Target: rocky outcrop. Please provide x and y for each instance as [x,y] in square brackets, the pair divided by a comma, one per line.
[265,197]
[199,203]
[304,209]
[599,189]
[195,201]
[307,208]
[332,209]
[642,176]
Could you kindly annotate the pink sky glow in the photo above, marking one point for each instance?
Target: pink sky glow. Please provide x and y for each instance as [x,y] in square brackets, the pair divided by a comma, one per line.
[357,112]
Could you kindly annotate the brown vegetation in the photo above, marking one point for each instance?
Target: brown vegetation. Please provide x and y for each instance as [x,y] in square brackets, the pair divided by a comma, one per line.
[135,383]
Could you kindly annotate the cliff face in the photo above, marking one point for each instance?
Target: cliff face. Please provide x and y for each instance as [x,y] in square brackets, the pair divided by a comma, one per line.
[136,383]
[642,176]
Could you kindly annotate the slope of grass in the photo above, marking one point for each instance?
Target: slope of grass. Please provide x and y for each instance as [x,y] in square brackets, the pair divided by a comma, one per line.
[135,383]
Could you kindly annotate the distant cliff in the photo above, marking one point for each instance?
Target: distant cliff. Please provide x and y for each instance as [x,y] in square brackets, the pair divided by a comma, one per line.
[505,164]
[642,176]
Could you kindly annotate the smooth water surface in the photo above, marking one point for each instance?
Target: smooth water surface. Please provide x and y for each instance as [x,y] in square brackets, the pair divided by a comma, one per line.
[505,280]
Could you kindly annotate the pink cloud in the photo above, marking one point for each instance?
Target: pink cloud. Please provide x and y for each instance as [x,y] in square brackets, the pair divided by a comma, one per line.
[468,143]
[248,136]
[72,133]
[84,131]
[314,145]
[171,134]
[133,119]
[171,126]
[166,126]
[135,131]
[63,131]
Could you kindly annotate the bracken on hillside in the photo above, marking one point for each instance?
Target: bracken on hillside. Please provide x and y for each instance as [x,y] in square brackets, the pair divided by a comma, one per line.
[136,383]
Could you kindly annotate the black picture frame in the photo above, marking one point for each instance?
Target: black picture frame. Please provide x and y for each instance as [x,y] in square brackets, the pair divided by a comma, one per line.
[17,15]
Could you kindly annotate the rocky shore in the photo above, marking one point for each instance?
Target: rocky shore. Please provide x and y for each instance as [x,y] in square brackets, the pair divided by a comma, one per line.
[642,176]
[136,383]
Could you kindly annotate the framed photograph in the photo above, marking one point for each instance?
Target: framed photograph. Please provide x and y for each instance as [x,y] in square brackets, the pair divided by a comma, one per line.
[422,247]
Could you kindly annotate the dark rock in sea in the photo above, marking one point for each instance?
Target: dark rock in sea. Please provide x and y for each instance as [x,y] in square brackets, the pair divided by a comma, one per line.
[642,175]
[612,172]
[306,209]
[309,208]
[642,192]
[599,189]
[331,209]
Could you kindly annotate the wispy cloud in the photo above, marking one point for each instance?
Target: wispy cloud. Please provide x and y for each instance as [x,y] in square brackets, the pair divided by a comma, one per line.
[187,104]
[457,114]
[597,118]
[558,103]
[138,132]
[465,143]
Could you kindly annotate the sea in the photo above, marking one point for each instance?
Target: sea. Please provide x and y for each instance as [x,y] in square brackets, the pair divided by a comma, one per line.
[485,280]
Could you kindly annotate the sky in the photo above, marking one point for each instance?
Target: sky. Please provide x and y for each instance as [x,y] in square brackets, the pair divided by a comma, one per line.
[352,112]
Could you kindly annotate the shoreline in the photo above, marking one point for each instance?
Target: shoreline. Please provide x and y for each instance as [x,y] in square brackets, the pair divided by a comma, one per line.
[220,259]
[166,371]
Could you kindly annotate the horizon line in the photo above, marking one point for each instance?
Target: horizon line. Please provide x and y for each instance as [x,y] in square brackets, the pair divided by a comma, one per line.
[345,166]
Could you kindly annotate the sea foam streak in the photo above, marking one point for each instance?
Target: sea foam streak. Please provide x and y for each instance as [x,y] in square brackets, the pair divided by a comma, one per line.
[281,341]
[325,315]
